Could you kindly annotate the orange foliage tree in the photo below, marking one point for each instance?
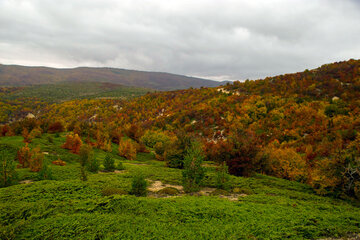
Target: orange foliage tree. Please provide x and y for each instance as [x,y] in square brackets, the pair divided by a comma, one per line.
[284,162]
[127,149]
[73,143]
[26,135]
[24,156]
[37,159]
[32,159]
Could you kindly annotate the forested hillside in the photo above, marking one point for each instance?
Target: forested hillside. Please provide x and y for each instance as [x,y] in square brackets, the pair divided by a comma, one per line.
[290,143]
[64,91]
[301,126]
[13,75]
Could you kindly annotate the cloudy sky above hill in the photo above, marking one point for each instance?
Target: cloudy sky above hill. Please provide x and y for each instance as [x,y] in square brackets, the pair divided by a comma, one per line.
[221,40]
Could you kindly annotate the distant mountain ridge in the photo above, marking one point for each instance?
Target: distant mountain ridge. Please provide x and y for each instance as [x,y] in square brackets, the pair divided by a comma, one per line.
[16,75]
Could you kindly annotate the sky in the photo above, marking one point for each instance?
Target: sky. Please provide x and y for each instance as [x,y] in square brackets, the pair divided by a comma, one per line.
[220,40]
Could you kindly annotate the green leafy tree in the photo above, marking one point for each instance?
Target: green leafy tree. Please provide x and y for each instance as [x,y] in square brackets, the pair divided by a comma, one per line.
[8,174]
[193,173]
[86,153]
[222,177]
[109,163]
[93,165]
[138,186]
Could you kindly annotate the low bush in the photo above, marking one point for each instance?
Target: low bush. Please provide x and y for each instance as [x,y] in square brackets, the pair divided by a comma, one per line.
[193,173]
[93,165]
[218,192]
[127,149]
[222,177]
[246,191]
[120,166]
[59,162]
[138,186]
[109,163]
[108,191]
[8,173]
[168,191]
[45,173]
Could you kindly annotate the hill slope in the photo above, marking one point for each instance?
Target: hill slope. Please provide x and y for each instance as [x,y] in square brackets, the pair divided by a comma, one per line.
[65,91]
[67,208]
[13,75]
[303,122]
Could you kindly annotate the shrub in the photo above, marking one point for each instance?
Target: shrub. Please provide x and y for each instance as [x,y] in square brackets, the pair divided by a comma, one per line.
[193,173]
[357,190]
[108,191]
[86,154]
[159,148]
[158,140]
[219,151]
[127,149]
[222,177]
[175,153]
[56,127]
[93,165]
[168,191]
[50,139]
[140,147]
[45,173]
[134,132]
[242,191]
[174,158]
[73,143]
[35,133]
[138,186]
[26,135]
[8,173]
[37,159]
[150,138]
[244,152]
[109,163]
[120,166]
[284,163]
[24,156]
[5,130]
[59,162]
[218,192]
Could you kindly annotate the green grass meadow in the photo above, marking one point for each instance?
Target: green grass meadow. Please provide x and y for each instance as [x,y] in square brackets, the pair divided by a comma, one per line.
[67,208]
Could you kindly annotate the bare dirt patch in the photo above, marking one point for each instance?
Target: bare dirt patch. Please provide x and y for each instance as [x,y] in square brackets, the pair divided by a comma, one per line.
[158,185]
[26,181]
[225,194]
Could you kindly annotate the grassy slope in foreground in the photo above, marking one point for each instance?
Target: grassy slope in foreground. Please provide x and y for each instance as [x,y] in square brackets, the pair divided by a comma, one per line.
[66,208]
[68,91]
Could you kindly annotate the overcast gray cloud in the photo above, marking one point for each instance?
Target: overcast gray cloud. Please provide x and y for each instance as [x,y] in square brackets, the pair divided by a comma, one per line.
[228,39]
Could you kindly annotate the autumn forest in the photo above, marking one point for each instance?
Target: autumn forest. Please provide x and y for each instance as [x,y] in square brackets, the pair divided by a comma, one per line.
[287,143]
